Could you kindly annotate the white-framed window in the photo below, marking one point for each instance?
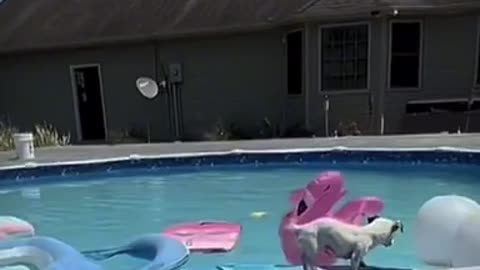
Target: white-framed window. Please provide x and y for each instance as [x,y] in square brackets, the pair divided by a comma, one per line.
[344,57]
[405,54]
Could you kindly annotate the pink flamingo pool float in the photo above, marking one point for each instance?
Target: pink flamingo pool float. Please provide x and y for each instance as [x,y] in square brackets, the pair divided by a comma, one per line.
[14,227]
[207,236]
[316,201]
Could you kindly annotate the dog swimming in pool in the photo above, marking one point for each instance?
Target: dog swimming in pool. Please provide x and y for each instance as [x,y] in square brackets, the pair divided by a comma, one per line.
[343,240]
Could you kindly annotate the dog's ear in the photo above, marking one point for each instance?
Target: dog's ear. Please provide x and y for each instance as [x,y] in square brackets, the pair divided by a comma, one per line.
[397,226]
[371,219]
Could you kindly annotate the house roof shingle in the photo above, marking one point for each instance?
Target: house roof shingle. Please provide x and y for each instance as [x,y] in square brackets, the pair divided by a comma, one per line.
[26,24]
[46,23]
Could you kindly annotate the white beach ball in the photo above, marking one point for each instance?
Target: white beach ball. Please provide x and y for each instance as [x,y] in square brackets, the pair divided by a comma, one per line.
[436,227]
[466,245]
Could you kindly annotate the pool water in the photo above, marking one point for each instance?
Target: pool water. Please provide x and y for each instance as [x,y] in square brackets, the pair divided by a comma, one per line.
[97,211]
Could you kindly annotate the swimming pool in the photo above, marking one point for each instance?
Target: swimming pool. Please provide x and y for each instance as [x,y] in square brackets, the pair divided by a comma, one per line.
[108,207]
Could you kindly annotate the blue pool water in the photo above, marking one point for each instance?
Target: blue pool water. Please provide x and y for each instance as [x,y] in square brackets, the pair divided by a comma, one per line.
[107,209]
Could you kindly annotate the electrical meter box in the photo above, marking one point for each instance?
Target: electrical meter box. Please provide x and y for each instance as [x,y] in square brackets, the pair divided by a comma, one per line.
[175,73]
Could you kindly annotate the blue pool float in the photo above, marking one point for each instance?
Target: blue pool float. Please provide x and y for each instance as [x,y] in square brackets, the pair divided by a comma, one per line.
[42,252]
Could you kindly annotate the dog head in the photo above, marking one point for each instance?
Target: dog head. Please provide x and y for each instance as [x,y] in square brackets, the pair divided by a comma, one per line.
[384,229]
[395,229]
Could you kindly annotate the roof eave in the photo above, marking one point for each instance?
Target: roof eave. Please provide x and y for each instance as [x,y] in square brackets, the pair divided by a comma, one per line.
[135,39]
[388,11]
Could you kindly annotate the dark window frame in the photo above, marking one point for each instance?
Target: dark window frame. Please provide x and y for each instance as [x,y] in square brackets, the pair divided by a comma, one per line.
[295,91]
[476,83]
[418,54]
[356,38]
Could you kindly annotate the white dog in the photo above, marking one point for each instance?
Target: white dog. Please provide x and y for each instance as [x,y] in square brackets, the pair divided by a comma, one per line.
[344,240]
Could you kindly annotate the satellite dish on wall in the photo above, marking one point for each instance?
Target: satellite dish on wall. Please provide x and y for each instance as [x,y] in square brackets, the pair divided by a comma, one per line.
[147,87]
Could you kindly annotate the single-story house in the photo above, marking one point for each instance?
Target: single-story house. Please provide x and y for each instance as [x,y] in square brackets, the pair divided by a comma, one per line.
[390,66]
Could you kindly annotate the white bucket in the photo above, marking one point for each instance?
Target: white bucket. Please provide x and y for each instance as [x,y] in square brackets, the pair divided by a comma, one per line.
[24,145]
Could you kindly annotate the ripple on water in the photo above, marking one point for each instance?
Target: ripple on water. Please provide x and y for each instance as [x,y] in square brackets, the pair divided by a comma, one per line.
[115,207]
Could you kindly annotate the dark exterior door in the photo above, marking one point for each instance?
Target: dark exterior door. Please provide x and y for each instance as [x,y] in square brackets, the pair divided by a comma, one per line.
[90,103]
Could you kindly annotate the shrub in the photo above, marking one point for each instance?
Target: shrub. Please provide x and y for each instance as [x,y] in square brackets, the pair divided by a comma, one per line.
[47,135]
[218,133]
[222,132]
[44,135]
[351,129]
[6,137]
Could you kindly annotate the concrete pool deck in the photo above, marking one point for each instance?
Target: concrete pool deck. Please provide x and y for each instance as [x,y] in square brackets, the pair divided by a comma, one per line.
[86,152]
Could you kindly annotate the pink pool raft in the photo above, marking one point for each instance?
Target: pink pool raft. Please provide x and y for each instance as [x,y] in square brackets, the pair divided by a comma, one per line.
[207,236]
[14,227]
[316,201]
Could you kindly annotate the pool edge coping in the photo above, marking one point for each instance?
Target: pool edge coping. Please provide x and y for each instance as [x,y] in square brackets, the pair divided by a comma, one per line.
[33,164]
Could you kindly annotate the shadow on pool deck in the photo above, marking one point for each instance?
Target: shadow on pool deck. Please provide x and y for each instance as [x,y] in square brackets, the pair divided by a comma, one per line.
[347,267]
[84,152]
[290,267]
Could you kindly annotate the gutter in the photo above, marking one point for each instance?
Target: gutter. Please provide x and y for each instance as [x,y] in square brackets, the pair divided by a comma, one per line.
[383,10]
